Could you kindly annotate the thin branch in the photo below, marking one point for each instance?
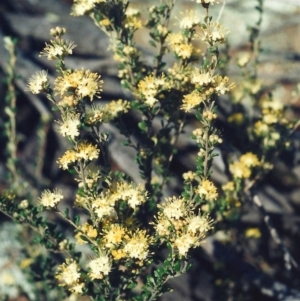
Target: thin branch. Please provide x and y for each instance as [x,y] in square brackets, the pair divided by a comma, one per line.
[221,11]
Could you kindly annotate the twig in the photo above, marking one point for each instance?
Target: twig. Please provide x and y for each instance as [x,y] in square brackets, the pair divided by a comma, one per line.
[221,11]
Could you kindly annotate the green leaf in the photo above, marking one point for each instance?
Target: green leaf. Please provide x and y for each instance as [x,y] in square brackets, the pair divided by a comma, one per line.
[77,219]
[143,126]
[134,104]
[81,192]
[150,282]
[160,271]
[55,108]
[66,213]
[84,238]
[167,264]
[132,285]
[162,65]
[152,43]
[177,266]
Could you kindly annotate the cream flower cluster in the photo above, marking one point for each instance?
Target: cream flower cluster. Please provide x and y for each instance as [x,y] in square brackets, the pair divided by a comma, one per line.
[208,84]
[69,275]
[104,204]
[38,82]
[51,199]
[207,190]
[177,224]
[83,151]
[123,243]
[150,87]
[180,45]
[69,126]
[189,19]
[81,83]
[81,7]
[98,113]
[242,168]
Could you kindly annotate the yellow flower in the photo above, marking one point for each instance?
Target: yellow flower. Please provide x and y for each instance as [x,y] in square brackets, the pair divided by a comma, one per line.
[272,104]
[133,23]
[83,151]
[129,50]
[240,170]
[237,118]
[104,206]
[261,128]
[189,176]
[63,245]
[134,195]
[180,45]
[100,267]
[175,39]
[89,230]
[57,49]
[68,272]
[222,84]
[150,86]
[132,11]
[82,83]
[162,226]
[25,263]
[69,157]
[184,50]
[210,115]
[201,78]
[189,19]
[163,31]
[215,33]
[137,246]
[51,199]
[192,100]
[253,233]
[105,22]
[118,254]
[229,186]
[269,117]
[87,151]
[69,125]
[249,160]
[207,190]
[243,59]
[68,101]
[80,7]
[23,204]
[37,82]
[114,235]
[173,208]
[184,243]
[199,225]
[116,107]
[77,288]
[98,113]
[253,86]
[57,31]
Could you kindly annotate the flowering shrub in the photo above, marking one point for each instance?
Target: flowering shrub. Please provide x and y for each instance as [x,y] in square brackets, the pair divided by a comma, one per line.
[139,237]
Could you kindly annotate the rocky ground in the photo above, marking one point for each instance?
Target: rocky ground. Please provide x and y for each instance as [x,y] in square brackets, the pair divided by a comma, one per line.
[30,21]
